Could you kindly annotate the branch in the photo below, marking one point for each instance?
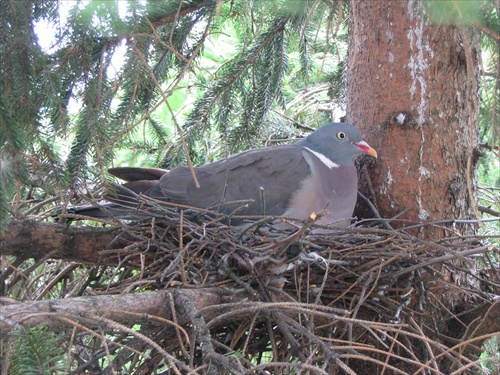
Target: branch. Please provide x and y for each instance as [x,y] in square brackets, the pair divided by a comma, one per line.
[489,210]
[169,18]
[488,31]
[485,323]
[34,239]
[125,309]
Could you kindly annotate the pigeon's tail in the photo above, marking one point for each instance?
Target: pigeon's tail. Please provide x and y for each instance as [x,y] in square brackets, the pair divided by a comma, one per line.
[104,211]
[122,203]
[123,200]
[101,211]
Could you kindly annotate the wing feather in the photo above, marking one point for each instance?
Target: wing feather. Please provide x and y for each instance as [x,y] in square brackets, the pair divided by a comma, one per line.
[269,177]
[136,174]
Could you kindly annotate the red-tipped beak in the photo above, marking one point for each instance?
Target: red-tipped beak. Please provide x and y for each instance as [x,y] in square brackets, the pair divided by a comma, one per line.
[366,148]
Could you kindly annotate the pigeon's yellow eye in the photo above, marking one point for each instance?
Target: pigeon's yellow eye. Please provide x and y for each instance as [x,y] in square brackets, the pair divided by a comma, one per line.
[341,135]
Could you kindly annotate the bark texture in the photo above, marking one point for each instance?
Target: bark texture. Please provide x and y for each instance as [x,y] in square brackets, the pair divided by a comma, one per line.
[39,240]
[126,309]
[412,87]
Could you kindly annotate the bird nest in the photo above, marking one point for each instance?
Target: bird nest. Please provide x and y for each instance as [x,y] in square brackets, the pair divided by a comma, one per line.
[290,300]
[259,299]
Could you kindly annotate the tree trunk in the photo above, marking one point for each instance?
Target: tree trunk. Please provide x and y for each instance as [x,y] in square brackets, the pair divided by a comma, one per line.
[412,87]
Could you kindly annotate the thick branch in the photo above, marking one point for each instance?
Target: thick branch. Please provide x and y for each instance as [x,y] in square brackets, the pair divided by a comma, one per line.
[485,324]
[33,239]
[126,309]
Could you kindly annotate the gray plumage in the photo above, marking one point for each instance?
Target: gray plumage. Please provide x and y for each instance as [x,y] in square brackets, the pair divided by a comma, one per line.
[312,175]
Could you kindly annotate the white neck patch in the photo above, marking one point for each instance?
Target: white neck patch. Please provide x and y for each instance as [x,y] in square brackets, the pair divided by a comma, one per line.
[330,164]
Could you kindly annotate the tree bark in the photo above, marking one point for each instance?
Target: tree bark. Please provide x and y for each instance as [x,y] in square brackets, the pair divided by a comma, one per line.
[412,87]
[126,309]
[38,240]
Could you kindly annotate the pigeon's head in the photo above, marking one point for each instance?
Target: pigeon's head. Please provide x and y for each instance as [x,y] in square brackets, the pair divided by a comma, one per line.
[339,142]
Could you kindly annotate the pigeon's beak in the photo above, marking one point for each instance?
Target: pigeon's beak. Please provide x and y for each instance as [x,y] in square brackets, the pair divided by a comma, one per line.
[366,148]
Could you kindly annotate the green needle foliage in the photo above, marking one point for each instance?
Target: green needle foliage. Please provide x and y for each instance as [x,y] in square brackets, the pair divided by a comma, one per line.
[87,84]
[111,76]
[35,351]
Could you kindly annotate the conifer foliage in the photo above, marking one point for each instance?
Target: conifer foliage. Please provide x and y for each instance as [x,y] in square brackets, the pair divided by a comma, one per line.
[116,75]
[86,85]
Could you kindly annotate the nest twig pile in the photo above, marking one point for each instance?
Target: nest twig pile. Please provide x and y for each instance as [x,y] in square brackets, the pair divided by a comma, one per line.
[350,301]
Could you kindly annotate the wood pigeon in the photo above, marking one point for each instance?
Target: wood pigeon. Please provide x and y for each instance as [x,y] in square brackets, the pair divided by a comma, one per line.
[317,173]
